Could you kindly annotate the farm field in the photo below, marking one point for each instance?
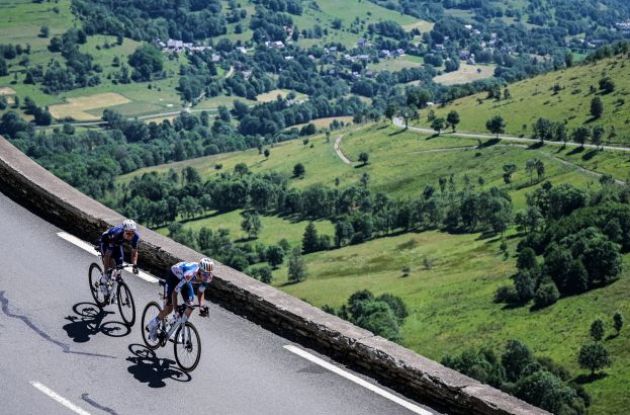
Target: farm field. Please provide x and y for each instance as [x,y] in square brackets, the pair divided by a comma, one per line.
[274,94]
[76,107]
[397,64]
[465,74]
[534,98]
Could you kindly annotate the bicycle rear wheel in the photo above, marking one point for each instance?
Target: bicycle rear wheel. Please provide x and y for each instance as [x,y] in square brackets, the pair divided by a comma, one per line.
[187,346]
[126,305]
[151,310]
[94,278]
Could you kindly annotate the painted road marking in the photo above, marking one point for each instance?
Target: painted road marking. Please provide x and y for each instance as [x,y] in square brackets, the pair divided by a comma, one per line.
[387,395]
[60,399]
[90,248]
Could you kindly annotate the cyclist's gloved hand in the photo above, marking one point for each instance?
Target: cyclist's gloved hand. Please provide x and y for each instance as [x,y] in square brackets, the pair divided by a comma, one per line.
[135,269]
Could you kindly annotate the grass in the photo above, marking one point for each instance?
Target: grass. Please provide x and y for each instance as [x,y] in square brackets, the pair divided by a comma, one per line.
[76,107]
[397,64]
[465,74]
[274,94]
[534,98]
[329,10]
[451,308]
[273,228]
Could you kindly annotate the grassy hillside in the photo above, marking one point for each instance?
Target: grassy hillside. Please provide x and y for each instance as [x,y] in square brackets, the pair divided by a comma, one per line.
[450,302]
[534,98]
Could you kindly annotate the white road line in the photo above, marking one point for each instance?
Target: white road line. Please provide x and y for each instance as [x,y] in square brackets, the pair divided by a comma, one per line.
[147,277]
[60,399]
[387,395]
[89,248]
[78,242]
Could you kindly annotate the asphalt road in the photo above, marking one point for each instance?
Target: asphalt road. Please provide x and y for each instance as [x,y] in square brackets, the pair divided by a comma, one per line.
[56,346]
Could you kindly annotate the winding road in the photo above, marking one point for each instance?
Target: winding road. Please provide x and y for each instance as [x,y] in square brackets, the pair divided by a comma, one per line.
[62,355]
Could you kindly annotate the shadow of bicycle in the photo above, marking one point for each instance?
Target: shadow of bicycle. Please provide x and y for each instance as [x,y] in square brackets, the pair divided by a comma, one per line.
[148,368]
[88,322]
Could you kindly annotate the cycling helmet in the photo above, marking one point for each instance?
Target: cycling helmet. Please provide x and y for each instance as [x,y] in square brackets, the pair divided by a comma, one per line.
[129,225]
[206,265]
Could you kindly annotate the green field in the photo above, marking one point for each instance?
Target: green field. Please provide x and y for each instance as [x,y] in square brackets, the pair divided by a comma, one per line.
[329,10]
[273,228]
[534,98]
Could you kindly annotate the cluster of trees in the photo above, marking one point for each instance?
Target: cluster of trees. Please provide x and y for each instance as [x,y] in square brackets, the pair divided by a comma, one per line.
[79,70]
[145,20]
[537,380]
[580,236]
[382,315]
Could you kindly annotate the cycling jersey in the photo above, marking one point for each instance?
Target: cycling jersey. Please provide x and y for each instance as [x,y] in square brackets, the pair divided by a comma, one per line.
[113,237]
[186,272]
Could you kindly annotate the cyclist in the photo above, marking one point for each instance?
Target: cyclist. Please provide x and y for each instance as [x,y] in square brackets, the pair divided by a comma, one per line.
[111,242]
[180,280]
[199,287]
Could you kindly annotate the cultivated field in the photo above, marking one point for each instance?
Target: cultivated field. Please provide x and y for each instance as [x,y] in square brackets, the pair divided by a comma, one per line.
[465,74]
[76,107]
[273,95]
[421,25]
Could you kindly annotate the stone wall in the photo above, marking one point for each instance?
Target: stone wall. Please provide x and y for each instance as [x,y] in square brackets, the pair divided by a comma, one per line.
[400,368]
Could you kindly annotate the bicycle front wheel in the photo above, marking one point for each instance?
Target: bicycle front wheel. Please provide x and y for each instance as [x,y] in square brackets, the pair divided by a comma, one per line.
[187,346]
[151,310]
[94,278]
[126,305]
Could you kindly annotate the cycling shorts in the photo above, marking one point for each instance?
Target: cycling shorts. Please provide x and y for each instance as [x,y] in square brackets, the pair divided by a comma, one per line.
[186,291]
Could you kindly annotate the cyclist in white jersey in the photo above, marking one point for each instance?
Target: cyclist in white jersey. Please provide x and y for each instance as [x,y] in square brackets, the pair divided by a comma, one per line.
[180,280]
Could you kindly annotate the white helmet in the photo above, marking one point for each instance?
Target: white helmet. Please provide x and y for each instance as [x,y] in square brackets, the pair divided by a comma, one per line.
[206,265]
[129,225]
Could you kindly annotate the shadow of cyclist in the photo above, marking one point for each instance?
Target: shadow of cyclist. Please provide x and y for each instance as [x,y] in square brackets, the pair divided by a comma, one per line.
[149,369]
[88,322]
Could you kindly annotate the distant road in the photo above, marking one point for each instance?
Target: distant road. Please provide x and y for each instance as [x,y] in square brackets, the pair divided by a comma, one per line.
[398,122]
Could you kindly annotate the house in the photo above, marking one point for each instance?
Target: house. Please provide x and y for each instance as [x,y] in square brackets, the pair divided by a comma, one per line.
[400,52]
[468,27]
[216,57]
[464,54]
[242,49]
[384,53]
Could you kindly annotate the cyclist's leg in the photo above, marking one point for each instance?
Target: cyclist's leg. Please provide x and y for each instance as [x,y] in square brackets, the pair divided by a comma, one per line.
[189,297]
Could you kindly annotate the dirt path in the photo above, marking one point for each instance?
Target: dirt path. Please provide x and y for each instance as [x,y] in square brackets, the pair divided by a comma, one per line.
[339,152]
[399,123]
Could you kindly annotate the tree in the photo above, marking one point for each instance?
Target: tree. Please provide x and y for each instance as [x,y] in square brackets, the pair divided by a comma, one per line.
[363,158]
[146,60]
[597,107]
[508,171]
[310,240]
[618,321]
[580,135]
[598,135]
[274,255]
[251,224]
[4,70]
[593,357]
[540,169]
[438,125]
[515,359]
[453,119]
[297,268]
[266,153]
[44,32]
[597,330]
[298,170]
[606,85]
[530,167]
[546,295]
[527,260]
[263,274]
[496,125]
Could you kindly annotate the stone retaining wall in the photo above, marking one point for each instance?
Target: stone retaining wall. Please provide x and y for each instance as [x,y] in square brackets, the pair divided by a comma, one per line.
[400,368]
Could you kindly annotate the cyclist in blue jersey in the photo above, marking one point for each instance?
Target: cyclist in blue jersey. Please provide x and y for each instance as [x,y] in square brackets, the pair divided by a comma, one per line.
[111,244]
[180,280]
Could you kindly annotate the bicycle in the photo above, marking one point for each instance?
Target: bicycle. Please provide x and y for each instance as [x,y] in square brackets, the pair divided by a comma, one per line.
[177,329]
[118,290]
